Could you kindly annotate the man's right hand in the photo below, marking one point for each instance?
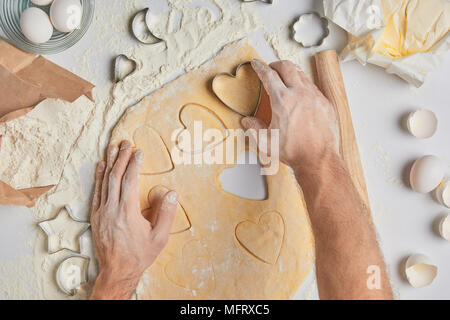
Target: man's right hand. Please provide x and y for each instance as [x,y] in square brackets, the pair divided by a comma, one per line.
[309,131]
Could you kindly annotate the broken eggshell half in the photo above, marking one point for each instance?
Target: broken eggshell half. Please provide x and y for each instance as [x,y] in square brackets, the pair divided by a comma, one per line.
[141,28]
[420,271]
[443,193]
[311,30]
[444,228]
[123,67]
[426,174]
[72,273]
[422,123]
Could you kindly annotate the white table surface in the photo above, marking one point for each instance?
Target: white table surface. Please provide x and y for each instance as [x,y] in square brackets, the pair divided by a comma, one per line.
[405,220]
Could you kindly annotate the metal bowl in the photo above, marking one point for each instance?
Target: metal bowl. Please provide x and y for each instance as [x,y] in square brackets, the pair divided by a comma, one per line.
[10,11]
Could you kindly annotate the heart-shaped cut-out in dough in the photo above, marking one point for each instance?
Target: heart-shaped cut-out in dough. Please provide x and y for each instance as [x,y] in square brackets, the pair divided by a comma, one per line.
[181,222]
[264,239]
[193,270]
[245,179]
[157,159]
[196,119]
[240,92]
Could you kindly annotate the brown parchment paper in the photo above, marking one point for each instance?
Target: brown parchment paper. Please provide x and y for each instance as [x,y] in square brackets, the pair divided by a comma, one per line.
[27,79]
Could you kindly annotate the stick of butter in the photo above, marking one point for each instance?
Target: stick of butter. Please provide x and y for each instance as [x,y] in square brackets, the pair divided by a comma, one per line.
[406,37]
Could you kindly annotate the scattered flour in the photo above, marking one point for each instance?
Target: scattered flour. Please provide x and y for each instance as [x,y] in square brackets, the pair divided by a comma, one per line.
[193,32]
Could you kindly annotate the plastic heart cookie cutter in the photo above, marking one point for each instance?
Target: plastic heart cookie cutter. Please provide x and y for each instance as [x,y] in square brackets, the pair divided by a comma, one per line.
[302,32]
[235,76]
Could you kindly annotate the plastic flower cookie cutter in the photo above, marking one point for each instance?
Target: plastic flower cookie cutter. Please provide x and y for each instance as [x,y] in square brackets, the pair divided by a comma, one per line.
[141,28]
[241,92]
[265,1]
[64,231]
[72,273]
[123,67]
[311,30]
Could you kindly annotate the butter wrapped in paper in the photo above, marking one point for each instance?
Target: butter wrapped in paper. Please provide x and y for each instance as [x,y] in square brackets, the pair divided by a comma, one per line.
[406,37]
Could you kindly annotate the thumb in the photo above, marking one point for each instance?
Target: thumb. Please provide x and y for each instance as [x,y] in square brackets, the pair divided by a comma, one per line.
[166,213]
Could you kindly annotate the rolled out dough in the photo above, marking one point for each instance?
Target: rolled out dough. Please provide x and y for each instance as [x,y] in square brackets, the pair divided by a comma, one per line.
[235,248]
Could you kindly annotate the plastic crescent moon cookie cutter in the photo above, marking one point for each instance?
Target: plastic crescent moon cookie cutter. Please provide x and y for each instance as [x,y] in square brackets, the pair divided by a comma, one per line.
[307,26]
[264,1]
[234,76]
[64,231]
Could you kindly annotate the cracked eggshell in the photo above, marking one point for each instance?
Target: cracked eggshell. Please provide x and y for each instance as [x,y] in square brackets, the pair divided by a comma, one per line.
[420,271]
[443,193]
[444,228]
[422,123]
[426,174]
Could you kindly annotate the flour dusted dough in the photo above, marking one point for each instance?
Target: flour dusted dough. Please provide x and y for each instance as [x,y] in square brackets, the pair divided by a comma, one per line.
[34,148]
[235,248]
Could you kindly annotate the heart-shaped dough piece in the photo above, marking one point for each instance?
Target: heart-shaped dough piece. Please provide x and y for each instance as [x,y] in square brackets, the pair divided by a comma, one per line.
[193,270]
[240,92]
[196,119]
[157,159]
[181,222]
[264,239]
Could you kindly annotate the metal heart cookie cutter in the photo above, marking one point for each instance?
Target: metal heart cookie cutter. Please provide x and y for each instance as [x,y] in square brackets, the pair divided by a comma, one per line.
[299,24]
[123,67]
[234,76]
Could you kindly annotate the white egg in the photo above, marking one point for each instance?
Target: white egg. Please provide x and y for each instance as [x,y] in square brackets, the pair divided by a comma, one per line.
[66,14]
[35,25]
[42,2]
[426,174]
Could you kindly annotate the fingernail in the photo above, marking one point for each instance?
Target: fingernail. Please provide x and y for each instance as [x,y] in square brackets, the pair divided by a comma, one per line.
[101,166]
[245,122]
[125,145]
[172,197]
[257,64]
[139,155]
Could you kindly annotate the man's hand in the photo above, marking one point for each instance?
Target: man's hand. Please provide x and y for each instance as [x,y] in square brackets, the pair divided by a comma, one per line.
[306,119]
[125,243]
[345,241]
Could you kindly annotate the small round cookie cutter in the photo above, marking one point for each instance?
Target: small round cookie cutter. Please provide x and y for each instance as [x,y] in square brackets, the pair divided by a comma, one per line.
[324,25]
[235,76]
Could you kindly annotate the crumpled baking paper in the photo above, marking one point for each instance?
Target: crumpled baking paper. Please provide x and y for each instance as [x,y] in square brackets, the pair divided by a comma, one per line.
[25,80]
[364,20]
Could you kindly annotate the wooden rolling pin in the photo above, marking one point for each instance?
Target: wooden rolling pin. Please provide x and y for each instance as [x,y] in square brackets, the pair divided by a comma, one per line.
[331,83]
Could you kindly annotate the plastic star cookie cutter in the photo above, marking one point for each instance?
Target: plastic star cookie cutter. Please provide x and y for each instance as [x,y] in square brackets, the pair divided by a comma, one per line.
[64,231]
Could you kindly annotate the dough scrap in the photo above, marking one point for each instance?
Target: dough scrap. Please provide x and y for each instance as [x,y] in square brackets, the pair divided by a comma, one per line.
[214,213]
[262,240]
[181,222]
[240,92]
[156,156]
